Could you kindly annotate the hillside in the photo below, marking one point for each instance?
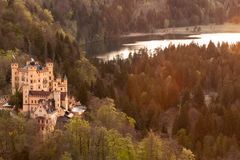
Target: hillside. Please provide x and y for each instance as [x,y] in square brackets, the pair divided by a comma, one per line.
[96,20]
[189,93]
[29,30]
[87,20]
[179,104]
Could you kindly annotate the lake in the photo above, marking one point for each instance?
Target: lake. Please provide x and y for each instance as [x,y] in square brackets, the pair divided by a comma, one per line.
[126,45]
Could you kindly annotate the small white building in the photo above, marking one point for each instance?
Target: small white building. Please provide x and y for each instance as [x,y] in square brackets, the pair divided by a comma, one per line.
[79,110]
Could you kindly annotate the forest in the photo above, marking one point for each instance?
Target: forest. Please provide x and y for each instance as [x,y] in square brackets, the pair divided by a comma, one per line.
[28,30]
[181,103]
[188,93]
[110,134]
[91,20]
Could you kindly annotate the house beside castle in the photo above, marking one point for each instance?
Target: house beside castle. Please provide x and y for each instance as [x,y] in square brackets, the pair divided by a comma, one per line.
[44,96]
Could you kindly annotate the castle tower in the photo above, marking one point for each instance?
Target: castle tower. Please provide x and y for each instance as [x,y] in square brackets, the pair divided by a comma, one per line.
[25,90]
[49,66]
[65,82]
[57,99]
[14,72]
[31,76]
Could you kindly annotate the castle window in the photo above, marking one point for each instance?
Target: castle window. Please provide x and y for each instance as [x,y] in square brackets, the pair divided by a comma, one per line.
[31,81]
[50,78]
[25,102]
[39,80]
[31,101]
[36,101]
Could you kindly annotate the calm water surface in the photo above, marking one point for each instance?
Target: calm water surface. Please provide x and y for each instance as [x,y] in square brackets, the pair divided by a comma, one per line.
[130,45]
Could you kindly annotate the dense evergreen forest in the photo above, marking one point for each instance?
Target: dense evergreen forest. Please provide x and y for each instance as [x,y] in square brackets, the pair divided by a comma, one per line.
[188,93]
[180,103]
[91,20]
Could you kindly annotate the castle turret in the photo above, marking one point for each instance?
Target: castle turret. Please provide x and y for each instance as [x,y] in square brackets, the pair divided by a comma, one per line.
[14,70]
[65,78]
[49,66]
[65,82]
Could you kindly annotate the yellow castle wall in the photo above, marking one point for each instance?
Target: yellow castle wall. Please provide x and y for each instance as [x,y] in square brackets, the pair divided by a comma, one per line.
[29,78]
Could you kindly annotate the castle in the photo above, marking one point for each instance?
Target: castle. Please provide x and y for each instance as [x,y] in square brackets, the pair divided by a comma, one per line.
[44,96]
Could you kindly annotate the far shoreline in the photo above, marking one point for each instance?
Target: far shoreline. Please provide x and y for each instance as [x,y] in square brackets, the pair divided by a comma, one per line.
[189,30]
